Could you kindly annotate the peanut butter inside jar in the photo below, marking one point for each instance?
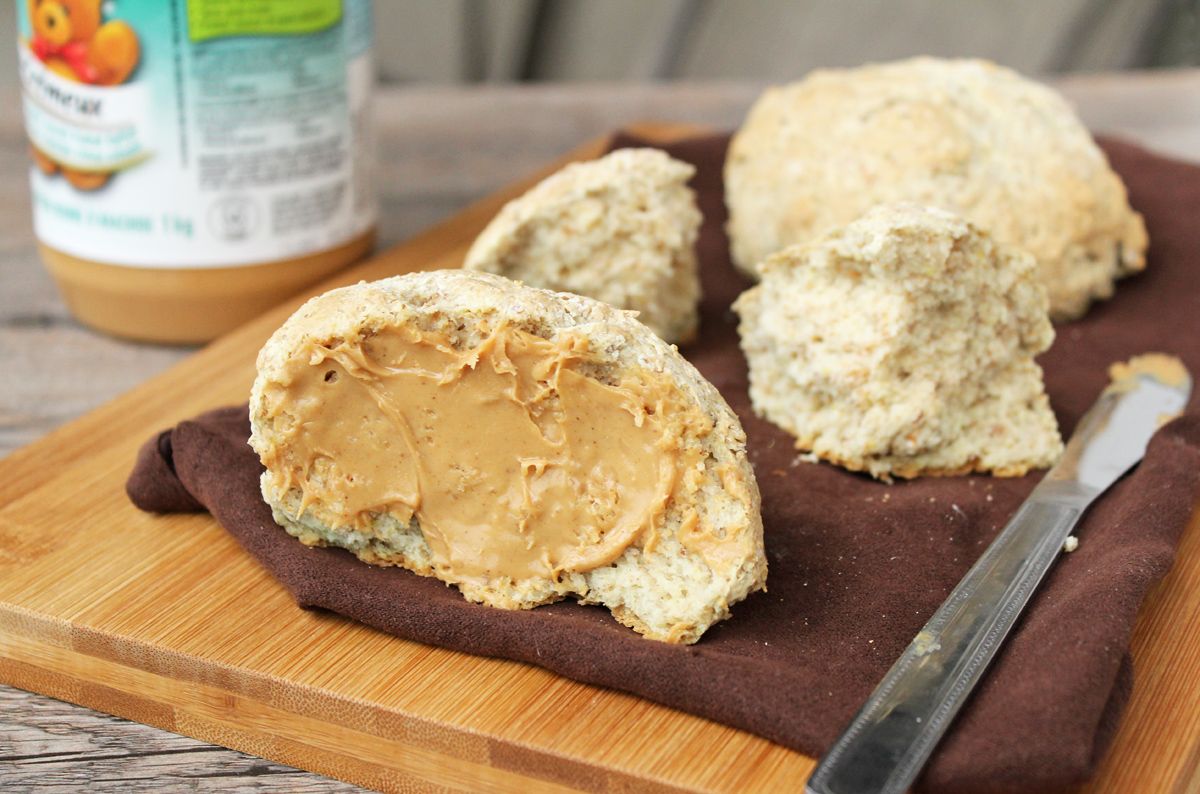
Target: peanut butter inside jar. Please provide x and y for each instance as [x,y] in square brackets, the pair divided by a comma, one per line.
[187,305]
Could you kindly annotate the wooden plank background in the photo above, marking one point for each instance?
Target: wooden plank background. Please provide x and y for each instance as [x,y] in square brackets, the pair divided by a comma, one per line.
[440,147]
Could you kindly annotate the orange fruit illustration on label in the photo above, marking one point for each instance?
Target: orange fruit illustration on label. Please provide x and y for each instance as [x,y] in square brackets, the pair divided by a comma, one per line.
[72,40]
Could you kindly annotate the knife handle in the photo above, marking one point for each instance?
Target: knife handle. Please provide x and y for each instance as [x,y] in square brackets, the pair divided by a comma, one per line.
[887,743]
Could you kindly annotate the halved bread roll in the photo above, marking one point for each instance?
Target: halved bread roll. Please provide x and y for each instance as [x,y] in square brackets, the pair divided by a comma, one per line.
[903,345]
[521,444]
[621,229]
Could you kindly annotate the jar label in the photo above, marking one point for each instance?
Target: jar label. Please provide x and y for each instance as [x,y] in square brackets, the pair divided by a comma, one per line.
[197,133]
[210,19]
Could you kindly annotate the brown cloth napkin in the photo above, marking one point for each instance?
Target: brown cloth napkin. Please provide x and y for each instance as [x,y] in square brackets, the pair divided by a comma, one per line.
[856,566]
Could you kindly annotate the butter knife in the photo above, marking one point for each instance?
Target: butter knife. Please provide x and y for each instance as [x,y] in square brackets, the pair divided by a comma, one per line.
[888,742]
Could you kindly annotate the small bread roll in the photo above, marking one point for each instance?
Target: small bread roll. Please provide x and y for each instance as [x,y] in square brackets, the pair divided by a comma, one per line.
[621,229]
[903,345]
[1006,153]
[521,444]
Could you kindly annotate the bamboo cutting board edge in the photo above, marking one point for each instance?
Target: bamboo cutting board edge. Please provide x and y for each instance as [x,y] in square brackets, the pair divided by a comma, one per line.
[102,672]
[383,746]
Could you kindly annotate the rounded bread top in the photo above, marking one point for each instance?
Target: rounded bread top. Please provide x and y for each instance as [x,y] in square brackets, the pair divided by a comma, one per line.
[621,229]
[1006,153]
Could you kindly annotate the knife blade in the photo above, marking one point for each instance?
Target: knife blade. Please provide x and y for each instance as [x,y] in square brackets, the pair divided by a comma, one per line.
[886,744]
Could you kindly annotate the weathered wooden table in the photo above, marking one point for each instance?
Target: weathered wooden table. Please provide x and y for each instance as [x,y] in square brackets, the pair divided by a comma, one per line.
[439,148]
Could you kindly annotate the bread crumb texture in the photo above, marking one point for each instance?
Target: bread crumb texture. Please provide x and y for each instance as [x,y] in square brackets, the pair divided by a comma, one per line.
[903,345]
[1006,153]
[704,551]
[621,229]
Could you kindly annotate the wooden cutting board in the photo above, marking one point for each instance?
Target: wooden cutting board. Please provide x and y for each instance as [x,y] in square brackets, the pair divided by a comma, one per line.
[165,620]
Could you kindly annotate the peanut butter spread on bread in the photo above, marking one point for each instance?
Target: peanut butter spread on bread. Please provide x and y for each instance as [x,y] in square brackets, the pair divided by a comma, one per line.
[521,445]
[515,461]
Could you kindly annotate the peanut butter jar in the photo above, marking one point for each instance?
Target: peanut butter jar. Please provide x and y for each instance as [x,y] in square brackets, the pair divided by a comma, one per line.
[194,162]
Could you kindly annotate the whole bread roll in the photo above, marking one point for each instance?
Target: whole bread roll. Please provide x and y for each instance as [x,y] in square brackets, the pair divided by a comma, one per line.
[1004,152]
[903,345]
[521,444]
[621,229]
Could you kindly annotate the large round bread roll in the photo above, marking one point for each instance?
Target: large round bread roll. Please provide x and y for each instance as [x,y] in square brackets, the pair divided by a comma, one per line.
[521,444]
[1006,153]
